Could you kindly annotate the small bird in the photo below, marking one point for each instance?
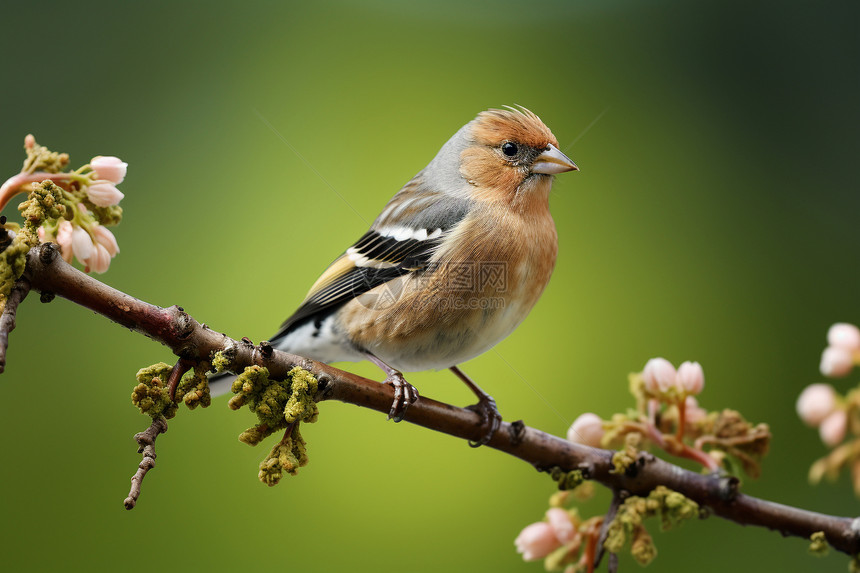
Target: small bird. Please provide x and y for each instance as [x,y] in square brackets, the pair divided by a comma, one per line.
[451,266]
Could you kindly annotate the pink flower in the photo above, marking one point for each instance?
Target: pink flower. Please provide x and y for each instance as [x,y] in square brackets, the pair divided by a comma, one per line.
[105,238]
[815,403]
[832,430]
[104,194]
[561,524]
[836,362]
[690,378]
[82,244]
[110,168]
[99,261]
[844,335]
[659,375]
[536,541]
[693,412]
[64,240]
[586,429]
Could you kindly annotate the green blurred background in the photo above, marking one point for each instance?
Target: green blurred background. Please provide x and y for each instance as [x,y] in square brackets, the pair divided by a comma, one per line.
[714,219]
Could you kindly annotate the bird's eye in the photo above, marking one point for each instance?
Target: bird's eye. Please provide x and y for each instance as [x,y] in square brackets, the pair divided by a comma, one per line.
[510,149]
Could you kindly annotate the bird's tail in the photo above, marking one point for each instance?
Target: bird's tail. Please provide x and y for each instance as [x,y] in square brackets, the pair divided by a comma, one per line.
[219,384]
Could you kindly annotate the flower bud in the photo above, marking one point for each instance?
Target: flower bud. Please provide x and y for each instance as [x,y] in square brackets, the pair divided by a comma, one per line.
[104,194]
[832,430]
[659,375]
[82,244]
[561,524]
[690,378]
[815,403]
[836,362]
[99,261]
[64,240]
[105,238]
[536,541]
[111,168]
[586,429]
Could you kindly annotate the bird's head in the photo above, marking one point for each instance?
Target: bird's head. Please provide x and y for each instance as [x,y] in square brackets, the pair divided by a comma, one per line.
[512,152]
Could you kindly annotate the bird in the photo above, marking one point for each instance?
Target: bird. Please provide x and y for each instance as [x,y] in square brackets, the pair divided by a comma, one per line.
[452,265]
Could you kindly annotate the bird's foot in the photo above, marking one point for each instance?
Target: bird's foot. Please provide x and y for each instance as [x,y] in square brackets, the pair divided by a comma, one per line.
[491,419]
[404,395]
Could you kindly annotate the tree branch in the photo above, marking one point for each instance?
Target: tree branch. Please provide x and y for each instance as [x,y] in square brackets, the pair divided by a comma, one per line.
[191,341]
[146,440]
[7,319]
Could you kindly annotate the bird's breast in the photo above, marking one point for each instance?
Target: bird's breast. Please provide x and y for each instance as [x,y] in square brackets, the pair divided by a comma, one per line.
[478,287]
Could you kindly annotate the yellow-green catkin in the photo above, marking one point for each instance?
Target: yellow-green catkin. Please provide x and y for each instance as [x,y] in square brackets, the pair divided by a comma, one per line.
[670,506]
[220,362]
[151,395]
[818,544]
[43,204]
[194,389]
[278,404]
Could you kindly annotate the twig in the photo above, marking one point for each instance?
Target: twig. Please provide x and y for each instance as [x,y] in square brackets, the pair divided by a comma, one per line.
[146,439]
[617,498]
[7,319]
[192,341]
[179,369]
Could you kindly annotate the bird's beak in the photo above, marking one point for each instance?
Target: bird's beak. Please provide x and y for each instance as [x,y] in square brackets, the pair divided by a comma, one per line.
[553,161]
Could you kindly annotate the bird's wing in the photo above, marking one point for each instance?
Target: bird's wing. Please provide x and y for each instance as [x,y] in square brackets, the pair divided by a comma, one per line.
[395,245]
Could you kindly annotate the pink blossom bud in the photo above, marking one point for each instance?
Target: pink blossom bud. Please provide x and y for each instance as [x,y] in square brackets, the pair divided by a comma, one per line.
[99,261]
[561,524]
[815,403]
[105,238]
[693,412]
[659,375]
[836,362]
[832,430]
[586,429]
[104,194]
[844,335]
[536,541]
[110,168]
[82,244]
[41,232]
[64,240]
[29,141]
[690,378]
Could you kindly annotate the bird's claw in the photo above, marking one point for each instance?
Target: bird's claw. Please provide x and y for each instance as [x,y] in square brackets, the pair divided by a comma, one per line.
[404,395]
[491,419]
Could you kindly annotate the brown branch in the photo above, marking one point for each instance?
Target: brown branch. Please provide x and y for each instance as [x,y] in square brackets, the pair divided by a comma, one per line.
[146,440]
[7,319]
[190,340]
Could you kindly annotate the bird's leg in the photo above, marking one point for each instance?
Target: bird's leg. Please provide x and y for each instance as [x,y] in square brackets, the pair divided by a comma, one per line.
[404,392]
[491,419]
